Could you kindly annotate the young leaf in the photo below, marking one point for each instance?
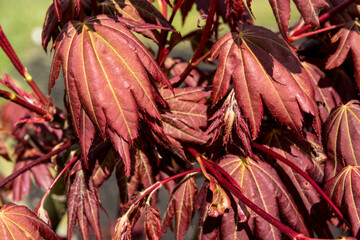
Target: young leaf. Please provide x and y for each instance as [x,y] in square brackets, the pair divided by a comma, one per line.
[309,11]
[344,190]
[342,137]
[264,70]
[152,223]
[180,206]
[18,222]
[83,202]
[109,53]
[261,184]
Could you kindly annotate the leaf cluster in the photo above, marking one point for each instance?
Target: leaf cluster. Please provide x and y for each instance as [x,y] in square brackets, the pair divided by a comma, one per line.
[264,146]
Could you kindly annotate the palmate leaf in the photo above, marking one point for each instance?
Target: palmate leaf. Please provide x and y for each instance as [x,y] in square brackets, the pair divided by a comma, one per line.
[309,10]
[310,159]
[181,206]
[344,190]
[300,153]
[261,184]
[342,136]
[18,222]
[111,83]
[264,70]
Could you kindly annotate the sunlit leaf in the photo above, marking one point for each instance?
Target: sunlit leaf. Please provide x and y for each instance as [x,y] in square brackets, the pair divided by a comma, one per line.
[264,71]
[18,222]
[109,54]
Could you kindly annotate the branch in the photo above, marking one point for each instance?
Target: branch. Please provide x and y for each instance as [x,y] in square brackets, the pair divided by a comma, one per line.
[41,202]
[304,175]
[228,183]
[322,18]
[6,46]
[15,99]
[204,38]
[38,161]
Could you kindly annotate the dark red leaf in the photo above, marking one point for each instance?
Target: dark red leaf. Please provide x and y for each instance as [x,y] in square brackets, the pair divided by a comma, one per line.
[264,70]
[325,94]
[344,190]
[83,203]
[261,184]
[180,206]
[139,11]
[18,222]
[342,136]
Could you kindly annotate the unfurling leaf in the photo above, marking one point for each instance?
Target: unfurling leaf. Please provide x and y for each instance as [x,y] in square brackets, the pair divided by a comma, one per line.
[113,58]
[342,136]
[344,190]
[226,119]
[180,206]
[264,70]
[83,203]
[309,11]
[261,184]
[152,223]
[18,222]
[220,200]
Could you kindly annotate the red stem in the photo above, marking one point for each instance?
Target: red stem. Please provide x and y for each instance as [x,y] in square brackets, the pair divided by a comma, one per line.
[323,17]
[12,97]
[228,183]
[54,182]
[204,38]
[158,184]
[303,174]
[8,49]
[38,161]
[294,38]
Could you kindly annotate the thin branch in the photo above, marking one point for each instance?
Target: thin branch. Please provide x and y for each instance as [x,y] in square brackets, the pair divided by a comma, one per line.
[41,202]
[38,161]
[15,99]
[160,183]
[303,174]
[204,38]
[8,49]
[323,17]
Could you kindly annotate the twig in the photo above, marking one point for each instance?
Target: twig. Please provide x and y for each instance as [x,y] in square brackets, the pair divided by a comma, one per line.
[38,161]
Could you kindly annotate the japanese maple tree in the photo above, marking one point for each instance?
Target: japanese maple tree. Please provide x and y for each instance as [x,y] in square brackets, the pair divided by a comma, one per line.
[264,146]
